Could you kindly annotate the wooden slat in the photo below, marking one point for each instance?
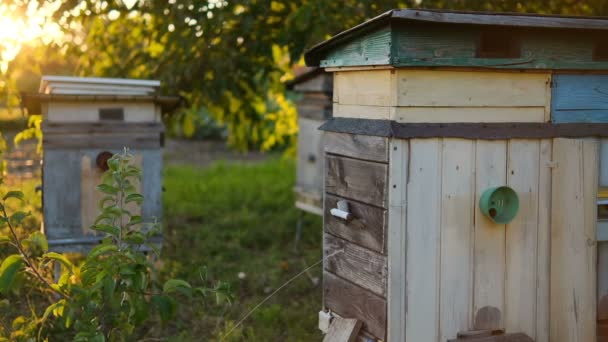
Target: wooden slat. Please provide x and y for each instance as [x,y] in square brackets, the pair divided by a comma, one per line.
[362,112]
[468,114]
[356,179]
[98,140]
[100,127]
[369,88]
[489,245]
[357,146]
[309,172]
[602,281]
[522,238]
[516,337]
[544,239]
[343,330]
[423,235]
[356,264]
[367,229]
[397,241]
[580,98]
[350,300]
[573,258]
[457,201]
[441,88]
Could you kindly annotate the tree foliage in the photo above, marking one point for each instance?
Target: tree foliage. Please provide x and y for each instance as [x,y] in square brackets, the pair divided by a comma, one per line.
[229,59]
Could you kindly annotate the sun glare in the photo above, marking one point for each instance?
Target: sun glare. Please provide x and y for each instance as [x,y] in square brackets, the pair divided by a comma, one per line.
[15,31]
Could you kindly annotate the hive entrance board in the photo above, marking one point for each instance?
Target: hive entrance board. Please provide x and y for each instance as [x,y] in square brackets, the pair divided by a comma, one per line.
[343,330]
[91,177]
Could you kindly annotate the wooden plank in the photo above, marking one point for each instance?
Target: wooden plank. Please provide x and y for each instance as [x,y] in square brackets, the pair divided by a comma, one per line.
[457,207]
[580,98]
[543,260]
[602,282]
[357,146]
[368,88]
[366,229]
[604,162]
[489,245]
[470,130]
[49,127]
[423,240]
[309,171]
[343,330]
[89,112]
[350,300]
[356,264]
[355,179]
[522,238]
[152,187]
[468,114]
[440,88]
[573,258]
[109,141]
[61,189]
[516,337]
[362,112]
[397,241]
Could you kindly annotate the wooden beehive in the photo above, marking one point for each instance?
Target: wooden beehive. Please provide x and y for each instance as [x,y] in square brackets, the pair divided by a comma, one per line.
[314,107]
[431,108]
[85,120]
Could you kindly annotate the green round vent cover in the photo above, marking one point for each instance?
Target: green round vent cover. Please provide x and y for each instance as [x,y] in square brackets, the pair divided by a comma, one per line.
[499,204]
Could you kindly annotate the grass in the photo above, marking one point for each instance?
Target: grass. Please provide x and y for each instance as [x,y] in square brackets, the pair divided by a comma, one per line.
[240,219]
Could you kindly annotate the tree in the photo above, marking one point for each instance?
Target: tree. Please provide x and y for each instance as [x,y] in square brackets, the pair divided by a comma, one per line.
[231,58]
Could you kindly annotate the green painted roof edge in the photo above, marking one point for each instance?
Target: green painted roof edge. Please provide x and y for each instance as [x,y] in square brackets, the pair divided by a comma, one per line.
[313,56]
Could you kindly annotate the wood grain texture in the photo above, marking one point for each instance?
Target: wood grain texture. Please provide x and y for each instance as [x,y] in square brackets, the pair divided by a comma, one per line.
[362,112]
[397,241]
[440,88]
[580,98]
[357,146]
[61,172]
[423,240]
[367,229]
[467,114]
[457,222]
[355,179]
[368,88]
[489,243]
[573,258]
[350,300]
[602,282]
[89,111]
[543,260]
[343,330]
[356,264]
[152,184]
[604,163]
[522,238]
[49,127]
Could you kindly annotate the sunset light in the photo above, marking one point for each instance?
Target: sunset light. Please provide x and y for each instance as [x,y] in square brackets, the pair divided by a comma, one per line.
[17,30]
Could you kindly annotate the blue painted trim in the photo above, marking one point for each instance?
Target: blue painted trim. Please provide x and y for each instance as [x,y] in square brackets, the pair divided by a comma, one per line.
[579,98]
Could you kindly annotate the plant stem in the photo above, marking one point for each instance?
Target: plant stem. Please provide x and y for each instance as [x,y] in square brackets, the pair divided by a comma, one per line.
[26,258]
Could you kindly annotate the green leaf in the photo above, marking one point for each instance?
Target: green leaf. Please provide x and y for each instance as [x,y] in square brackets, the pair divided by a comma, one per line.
[135,219]
[56,309]
[17,217]
[102,249]
[136,238]
[137,198]
[4,239]
[108,189]
[13,194]
[179,285]
[113,163]
[106,228]
[165,306]
[39,240]
[8,270]
[59,257]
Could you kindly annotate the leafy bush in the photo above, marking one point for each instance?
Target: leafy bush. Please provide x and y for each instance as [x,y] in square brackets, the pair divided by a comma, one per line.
[112,291]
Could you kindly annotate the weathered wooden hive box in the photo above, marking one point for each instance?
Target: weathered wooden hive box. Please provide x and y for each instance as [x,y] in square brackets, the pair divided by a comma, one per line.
[314,107]
[432,108]
[85,121]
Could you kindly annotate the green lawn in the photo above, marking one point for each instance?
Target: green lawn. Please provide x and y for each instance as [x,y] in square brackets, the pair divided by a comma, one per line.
[236,218]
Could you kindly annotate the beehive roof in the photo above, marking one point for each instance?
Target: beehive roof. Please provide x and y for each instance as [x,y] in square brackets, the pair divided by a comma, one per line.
[382,36]
[67,85]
